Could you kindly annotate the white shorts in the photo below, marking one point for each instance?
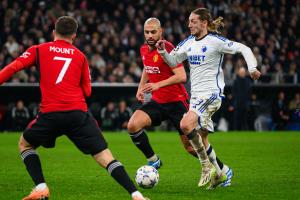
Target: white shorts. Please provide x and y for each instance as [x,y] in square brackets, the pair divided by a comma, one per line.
[205,107]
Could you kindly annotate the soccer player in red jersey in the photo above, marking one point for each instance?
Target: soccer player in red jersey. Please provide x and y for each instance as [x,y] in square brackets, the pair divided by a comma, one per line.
[169,97]
[64,84]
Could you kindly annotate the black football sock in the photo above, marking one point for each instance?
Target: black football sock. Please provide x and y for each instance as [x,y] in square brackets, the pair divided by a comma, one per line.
[117,171]
[141,141]
[33,165]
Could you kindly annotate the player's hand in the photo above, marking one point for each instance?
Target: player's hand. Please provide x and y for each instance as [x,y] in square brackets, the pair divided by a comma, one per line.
[160,45]
[149,87]
[140,96]
[255,75]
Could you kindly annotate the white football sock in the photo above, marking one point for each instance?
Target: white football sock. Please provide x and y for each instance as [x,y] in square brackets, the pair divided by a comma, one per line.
[225,168]
[136,194]
[213,159]
[41,186]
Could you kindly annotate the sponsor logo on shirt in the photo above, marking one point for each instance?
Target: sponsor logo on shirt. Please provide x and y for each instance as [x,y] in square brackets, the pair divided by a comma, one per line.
[25,54]
[196,59]
[152,70]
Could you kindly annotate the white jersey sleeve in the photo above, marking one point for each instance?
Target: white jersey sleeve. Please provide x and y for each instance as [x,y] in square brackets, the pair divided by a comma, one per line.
[178,54]
[232,47]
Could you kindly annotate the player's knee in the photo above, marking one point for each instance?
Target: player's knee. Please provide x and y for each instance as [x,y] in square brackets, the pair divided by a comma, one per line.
[133,127]
[185,127]
[23,144]
[103,158]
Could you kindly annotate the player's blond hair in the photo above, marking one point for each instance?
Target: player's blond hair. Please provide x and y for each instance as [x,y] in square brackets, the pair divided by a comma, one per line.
[153,20]
[213,25]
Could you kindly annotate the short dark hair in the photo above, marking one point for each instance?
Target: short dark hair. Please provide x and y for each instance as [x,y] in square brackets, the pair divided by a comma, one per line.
[66,26]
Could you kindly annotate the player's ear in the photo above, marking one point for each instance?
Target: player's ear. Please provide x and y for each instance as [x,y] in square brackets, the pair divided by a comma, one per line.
[161,31]
[73,36]
[53,33]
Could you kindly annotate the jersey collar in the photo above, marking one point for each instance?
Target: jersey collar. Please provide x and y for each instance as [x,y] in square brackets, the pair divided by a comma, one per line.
[62,41]
[198,39]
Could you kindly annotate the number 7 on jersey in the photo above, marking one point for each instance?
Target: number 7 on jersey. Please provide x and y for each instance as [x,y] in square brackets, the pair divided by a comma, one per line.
[64,68]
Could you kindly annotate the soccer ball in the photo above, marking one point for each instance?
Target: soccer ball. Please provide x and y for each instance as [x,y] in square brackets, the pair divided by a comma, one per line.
[147,177]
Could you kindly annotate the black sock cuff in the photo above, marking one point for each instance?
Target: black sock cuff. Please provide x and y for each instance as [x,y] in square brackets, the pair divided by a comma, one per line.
[192,134]
[209,150]
[137,134]
[28,152]
[113,165]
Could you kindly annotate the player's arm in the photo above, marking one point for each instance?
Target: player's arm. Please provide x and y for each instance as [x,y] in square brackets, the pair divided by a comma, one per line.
[178,77]
[175,57]
[27,59]
[236,47]
[10,70]
[86,80]
[143,81]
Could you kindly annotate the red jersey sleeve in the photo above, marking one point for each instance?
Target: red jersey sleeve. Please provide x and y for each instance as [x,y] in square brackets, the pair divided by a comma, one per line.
[86,79]
[169,47]
[27,59]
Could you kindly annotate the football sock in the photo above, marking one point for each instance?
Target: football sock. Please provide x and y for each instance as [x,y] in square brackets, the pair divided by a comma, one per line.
[117,171]
[153,158]
[141,141]
[33,165]
[213,159]
[198,146]
[41,186]
[136,194]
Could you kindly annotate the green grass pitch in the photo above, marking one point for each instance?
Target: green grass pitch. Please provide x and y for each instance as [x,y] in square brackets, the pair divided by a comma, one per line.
[266,166]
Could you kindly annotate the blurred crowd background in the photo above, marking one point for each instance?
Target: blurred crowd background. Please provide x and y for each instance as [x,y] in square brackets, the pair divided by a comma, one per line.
[111,32]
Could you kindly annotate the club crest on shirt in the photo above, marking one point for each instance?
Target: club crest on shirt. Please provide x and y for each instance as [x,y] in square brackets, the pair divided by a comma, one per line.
[204,49]
[155,58]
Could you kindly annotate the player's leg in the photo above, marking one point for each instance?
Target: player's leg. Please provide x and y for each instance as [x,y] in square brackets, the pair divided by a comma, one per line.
[117,171]
[188,125]
[87,136]
[206,125]
[215,160]
[144,117]
[187,145]
[36,134]
[175,112]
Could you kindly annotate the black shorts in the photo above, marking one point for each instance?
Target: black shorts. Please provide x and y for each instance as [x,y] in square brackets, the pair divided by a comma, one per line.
[159,112]
[80,127]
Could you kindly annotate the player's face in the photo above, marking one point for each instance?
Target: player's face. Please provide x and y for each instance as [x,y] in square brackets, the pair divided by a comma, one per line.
[152,33]
[196,25]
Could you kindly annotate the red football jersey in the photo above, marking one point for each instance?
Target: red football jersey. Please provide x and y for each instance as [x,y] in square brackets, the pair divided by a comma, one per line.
[157,70]
[64,75]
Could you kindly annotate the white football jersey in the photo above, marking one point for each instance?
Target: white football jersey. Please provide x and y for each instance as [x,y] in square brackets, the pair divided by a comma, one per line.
[205,57]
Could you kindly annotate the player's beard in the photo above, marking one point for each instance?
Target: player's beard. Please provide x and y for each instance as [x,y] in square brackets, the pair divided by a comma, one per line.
[196,34]
[151,43]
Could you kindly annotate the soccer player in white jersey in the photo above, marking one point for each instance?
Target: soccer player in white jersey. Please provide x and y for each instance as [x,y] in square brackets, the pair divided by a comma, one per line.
[205,50]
